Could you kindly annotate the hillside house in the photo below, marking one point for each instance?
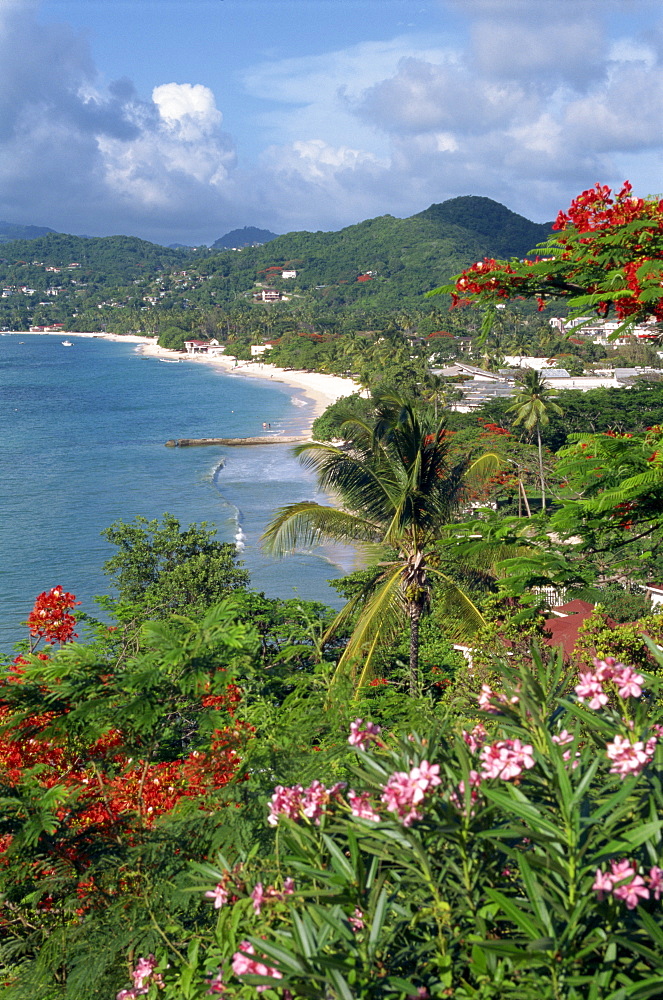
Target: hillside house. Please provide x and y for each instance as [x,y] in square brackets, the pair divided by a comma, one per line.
[288,274]
[268,295]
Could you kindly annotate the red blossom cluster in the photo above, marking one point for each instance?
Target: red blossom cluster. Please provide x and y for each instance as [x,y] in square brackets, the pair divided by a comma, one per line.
[50,619]
[113,792]
[606,245]
[597,209]
[488,277]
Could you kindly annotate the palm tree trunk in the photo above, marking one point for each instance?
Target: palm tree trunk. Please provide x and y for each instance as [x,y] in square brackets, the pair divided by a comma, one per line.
[415,610]
[524,497]
[543,481]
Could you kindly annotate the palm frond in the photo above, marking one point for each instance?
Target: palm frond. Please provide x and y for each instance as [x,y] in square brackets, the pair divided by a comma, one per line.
[307,523]
[470,619]
[383,614]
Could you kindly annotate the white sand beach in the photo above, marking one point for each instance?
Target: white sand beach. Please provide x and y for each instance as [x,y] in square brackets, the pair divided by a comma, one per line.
[322,389]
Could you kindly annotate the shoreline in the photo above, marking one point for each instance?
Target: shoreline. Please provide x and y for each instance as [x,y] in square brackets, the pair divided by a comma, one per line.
[322,389]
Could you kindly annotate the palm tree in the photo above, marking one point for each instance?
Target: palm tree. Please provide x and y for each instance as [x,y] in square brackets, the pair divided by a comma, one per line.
[397,488]
[533,406]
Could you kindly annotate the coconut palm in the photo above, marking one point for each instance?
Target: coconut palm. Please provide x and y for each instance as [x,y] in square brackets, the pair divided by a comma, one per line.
[396,488]
[533,405]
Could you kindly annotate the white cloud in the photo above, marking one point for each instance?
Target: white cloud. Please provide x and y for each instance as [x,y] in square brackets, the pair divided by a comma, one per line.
[531,103]
[180,144]
[189,110]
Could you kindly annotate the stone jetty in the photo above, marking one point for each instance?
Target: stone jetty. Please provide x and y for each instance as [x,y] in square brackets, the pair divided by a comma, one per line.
[197,442]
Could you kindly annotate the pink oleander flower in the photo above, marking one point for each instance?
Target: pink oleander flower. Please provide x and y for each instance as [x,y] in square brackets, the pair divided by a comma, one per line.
[363,734]
[606,669]
[629,758]
[590,687]
[562,738]
[457,797]
[286,801]
[144,969]
[632,892]
[506,759]
[656,881]
[261,895]
[629,684]
[243,964]
[257,896]
[357,920]
[216,984]
[602,884]
[488,697]
[361,806]
[619,870]
[475,738]
[405,791]
[219,894]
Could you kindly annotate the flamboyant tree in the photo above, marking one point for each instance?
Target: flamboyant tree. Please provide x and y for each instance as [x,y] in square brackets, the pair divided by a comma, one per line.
[606,258]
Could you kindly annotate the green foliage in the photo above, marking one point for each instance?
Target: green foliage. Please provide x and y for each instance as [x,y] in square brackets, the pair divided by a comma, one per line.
[168,569]
[397,488]
[490,893]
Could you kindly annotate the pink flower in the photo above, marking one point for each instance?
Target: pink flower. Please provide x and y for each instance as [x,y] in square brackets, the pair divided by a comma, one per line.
[656,882]
[632,892]
[216,984]
[563,738]
[288,886]
[602,884]
[357,921]
[403,791]
[242,964]
[590,687]
[457,798]
[257,897]
[286,801]
[144,969]
[488,697]
[629,683]
[361,806]
[476,738]
[506,759]
[363,737]
[219,894]
[627,757]
[620,870]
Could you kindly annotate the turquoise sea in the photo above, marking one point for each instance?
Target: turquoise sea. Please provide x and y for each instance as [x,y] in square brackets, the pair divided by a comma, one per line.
[82,433]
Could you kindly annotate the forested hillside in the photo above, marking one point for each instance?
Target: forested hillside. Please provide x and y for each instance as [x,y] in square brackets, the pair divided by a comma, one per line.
[13,231]
[379,264]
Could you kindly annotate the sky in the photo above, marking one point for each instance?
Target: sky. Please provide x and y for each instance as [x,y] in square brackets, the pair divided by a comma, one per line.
[179,120]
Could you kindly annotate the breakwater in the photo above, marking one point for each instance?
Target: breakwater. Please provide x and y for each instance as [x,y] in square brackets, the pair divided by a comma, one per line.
[197,442]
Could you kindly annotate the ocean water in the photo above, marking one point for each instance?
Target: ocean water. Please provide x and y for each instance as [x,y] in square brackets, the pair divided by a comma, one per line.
[82,434]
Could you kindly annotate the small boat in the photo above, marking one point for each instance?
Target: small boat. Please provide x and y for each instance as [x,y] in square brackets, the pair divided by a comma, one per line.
[67,343]
[169,361]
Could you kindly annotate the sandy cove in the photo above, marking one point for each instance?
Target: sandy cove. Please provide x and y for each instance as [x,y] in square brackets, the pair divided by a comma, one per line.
[322,389]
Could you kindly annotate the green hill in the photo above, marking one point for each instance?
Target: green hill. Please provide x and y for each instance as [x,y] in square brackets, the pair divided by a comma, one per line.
[107,258]
[394,257]
[246,237]
[12,231]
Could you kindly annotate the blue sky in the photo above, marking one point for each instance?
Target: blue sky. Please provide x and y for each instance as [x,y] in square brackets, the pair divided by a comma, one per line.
[178,120]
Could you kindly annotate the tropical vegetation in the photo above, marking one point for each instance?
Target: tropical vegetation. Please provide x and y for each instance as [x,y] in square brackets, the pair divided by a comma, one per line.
[210,792]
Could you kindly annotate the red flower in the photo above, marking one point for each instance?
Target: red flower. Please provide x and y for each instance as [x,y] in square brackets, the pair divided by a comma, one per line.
[50,618]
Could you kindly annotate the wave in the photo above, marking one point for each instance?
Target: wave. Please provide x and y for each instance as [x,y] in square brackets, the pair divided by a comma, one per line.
[296,401]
